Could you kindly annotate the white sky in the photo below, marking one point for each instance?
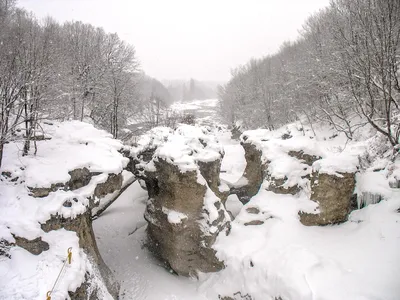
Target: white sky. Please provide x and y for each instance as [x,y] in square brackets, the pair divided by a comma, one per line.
[180,39]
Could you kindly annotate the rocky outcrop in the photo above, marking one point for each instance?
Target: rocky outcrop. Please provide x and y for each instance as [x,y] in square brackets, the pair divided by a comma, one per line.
[236,296]
[253,175]
[277,186]
[333,193]
[210,170]
[306,158]
[35,246]
[184,218]
[41,192]
[113,183]
[79,178]
[236,132]
[82,225]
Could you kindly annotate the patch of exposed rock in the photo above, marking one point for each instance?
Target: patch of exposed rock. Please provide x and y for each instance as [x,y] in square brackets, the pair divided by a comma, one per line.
[79,178]
[333,193]
[277,185]
[112,184]
[253,175]
[210,170]
[306,158]
[184,218]
[35,246]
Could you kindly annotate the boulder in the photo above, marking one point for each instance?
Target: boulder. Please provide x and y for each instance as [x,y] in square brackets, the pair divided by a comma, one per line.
[184,218]
[333,193]
[79,178]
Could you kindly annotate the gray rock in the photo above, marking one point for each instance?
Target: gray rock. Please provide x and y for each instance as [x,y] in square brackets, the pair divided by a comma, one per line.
[253,210]
[79,178]
[253,174]
[113,183]
[334,197]
[35,246]
[186,244]
[306,158]
[254,222]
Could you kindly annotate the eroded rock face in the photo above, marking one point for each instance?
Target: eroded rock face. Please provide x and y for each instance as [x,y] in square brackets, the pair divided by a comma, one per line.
[334,197]
[113,183]
[82,225]
[210,171]
[307,158]
[253,175]
[79,178]
[35,246]
[277,186]
[181,228]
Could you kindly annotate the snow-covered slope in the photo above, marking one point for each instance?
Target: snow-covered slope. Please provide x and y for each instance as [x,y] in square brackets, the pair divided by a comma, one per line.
[68,146]
[269,253]
[282,259]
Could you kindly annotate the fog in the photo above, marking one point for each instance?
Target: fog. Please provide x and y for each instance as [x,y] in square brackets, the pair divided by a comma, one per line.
[189,39]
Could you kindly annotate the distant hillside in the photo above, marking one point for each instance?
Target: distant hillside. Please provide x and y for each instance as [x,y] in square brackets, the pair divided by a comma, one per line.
[187,90]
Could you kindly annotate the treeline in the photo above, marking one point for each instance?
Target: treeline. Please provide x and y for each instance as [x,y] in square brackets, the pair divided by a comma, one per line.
[181,90]
[344,69]
[66,71]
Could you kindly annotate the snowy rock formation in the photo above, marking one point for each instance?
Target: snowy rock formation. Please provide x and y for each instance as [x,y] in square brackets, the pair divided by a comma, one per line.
[333,193]
[297,165]
[249,184]
[184,212]
[46,208]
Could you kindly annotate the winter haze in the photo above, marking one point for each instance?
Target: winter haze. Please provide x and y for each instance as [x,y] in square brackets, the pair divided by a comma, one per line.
[199,150]
[181,39]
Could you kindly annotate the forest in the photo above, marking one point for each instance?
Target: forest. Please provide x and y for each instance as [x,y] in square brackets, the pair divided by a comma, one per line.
[344,69]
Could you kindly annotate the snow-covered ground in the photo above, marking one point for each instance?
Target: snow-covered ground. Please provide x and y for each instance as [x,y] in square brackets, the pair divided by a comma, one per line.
[206,111]
[120,234]
[69,145]
[356,260]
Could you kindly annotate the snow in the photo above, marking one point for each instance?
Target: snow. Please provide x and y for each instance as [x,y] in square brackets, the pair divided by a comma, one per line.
[174,217]
[182,147]
[204,110]
[97,151]
[120,234]
[356,260]
[72,145]
[30,277]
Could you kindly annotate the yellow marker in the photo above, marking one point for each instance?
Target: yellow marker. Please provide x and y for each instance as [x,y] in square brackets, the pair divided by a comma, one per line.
[48,297]
[69,255]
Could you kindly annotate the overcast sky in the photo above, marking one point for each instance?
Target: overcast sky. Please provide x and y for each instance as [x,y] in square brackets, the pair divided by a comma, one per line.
[180,39]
